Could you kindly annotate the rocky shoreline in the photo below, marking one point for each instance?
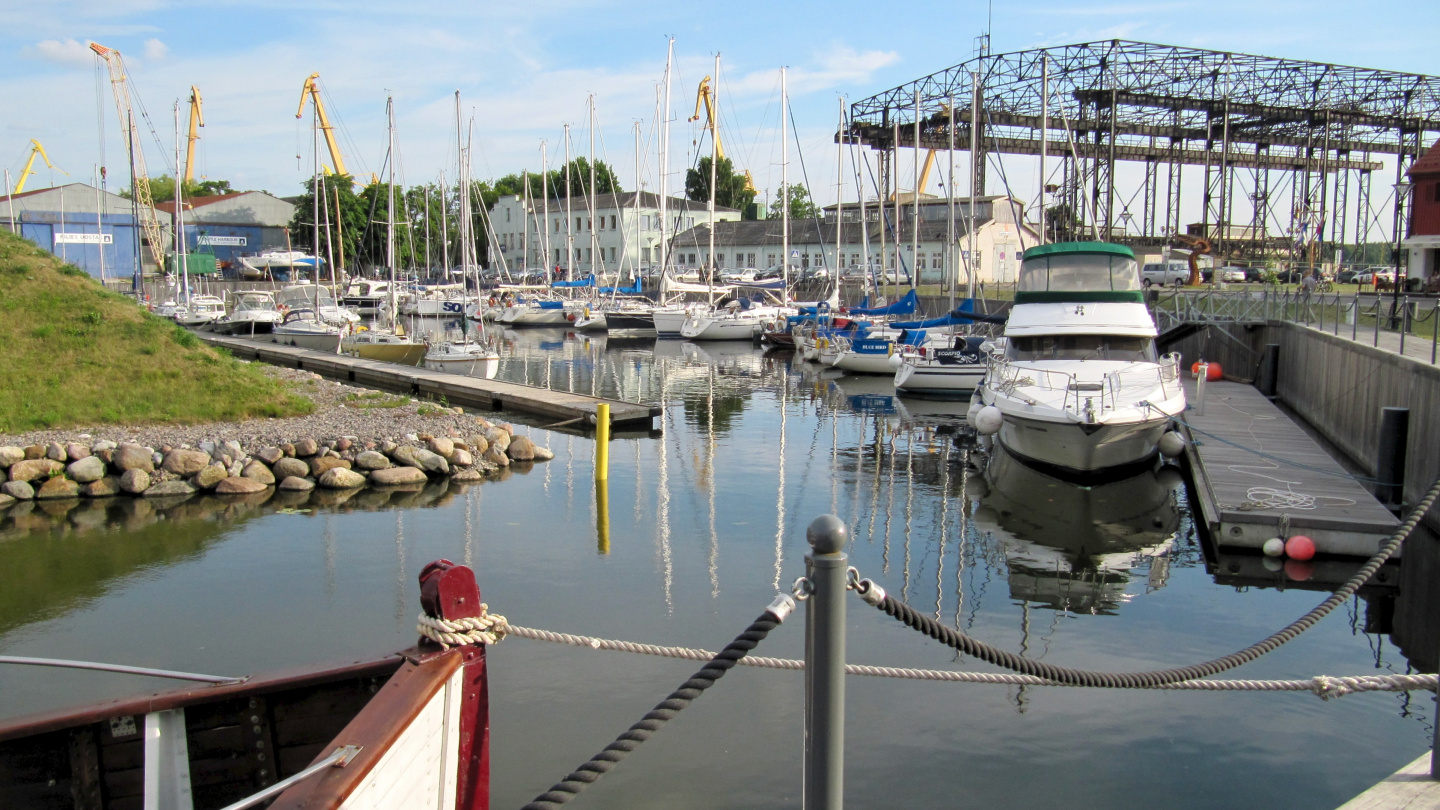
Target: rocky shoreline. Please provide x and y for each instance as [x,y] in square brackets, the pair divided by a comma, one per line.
[356,438]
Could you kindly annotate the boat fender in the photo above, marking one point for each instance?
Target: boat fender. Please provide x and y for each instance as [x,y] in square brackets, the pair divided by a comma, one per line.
[896,361]
[975,406]
[988,420]
[570,316]
[1172,444]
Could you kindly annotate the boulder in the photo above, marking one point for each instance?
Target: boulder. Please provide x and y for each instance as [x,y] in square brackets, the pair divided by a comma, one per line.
[105,454]
[6,500]
[19,490]
[233,449]
[398,475]
[461,458]
[103,444]
[341,478]
[239,485]
[35,451]
[172,487]
[75,451]
[290,466]
[371,460]
[306,448]
[106,487]
[132,457]
[208,447]
[135,481]
[10,455]
[86,469]
[497,438]
[521,449]
[432,463]
[158,457]
[478,445]
[256,471]
[57,487]
[543,454]
[56,452]
[496,456]
[270,455]
[322,464]
[343,443]
[33,468]
[407,455]
[296,484]
[185,462]
[469,476]
[288,449]
[234,468]
[209,476]
[442,447]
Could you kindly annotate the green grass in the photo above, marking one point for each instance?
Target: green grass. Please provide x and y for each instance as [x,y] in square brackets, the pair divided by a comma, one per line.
[72,353]
[375,399]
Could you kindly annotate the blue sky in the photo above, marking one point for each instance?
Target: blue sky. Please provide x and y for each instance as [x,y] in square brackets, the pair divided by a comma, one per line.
[525,69]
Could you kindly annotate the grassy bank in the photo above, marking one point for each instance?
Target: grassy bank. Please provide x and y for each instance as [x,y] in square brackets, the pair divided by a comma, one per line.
[72,353]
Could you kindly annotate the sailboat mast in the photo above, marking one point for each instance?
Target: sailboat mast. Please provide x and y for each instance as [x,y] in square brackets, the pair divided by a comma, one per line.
[545,202]
[595,259]
[569,234]
[839,190]
[178,222]
[974,170]
[714,159]
[635,263]
[525,216]
[664,184]
[864,219]
[1044,133]
[915,204]
[390,199]
[953,274]
[444,228]
[464,192]
[784,187]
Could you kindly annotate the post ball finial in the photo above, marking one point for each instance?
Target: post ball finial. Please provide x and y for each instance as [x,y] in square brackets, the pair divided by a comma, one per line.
[827,534]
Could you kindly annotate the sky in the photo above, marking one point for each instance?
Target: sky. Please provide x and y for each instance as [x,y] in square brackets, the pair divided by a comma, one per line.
[524,70]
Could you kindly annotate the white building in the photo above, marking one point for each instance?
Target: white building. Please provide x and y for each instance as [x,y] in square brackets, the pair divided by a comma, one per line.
[623,235]
[1000,238]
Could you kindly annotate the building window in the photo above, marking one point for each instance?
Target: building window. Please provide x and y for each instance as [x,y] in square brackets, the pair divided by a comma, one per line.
[507,212]
[557,256]
[749,259]
[557,226]
[588,260]
[612,254]
[770,260]
[693,262]
[612,222]
[689,222]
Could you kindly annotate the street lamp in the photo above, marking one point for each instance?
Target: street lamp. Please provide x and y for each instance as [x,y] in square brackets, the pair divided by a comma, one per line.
[1402,194]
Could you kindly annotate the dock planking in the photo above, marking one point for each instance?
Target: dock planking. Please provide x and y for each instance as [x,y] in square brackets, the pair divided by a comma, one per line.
[1412,787]
[456,389]
[1232,482]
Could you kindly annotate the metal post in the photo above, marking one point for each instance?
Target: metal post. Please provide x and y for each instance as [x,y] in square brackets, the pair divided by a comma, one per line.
[1390,458]
[1201,373]
[1376,342]
[824,779]
[1269,373]
[1355,317]
[602,441]
[1404,322]
[1434,330]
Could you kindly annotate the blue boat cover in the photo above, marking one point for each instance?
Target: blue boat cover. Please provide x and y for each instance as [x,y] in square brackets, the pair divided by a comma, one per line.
[588,281]
[552,304]
[634,289]
[871,346]
[953,318]
[907,305]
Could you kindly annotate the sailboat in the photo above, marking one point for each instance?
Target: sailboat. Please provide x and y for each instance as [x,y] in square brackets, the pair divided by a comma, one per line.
[390,344]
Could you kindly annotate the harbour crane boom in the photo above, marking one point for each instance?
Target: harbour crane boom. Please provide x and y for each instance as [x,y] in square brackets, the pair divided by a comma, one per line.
[705,98]
[197,120]
[35,149]
[140,181]
[312,89]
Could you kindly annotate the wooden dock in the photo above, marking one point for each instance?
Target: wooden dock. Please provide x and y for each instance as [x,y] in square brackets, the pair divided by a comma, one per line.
[1244,497]
[1412,787]
[456,389]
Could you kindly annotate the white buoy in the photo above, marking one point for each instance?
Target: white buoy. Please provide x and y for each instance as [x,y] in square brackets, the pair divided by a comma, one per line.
[1274,547]
[988,420]
[1172,444]
[975,406]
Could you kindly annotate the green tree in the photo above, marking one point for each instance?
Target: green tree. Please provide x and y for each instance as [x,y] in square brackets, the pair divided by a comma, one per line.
[579,181]
[345,234]
[162,188]
[801,206]
[730,188]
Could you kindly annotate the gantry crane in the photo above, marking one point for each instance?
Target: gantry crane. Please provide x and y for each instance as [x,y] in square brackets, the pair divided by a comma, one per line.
[312,89]
[705,98]
[140,181]
[35,149]
[197,120]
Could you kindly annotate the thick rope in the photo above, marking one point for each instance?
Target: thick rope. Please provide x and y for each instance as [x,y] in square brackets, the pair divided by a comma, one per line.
[482,629]
[601,763]
[1323,686]
[1080,677]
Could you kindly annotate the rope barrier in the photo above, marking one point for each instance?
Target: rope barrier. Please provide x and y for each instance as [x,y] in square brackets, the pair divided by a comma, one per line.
[1324,686]
[601,764]
[874,595]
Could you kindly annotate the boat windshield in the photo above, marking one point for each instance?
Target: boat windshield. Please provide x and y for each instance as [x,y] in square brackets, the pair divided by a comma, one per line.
[1081,347]
[253,302]
[1083,272]
[311,296]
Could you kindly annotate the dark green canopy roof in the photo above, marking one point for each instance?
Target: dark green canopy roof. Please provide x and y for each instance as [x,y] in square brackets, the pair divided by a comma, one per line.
[1079,247]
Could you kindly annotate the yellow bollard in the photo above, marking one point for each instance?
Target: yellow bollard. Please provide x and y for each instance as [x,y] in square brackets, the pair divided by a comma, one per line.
[602,515]
[602,441]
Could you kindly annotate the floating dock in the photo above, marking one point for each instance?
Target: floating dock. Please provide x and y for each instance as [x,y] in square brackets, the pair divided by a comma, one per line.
[1410,787]
[1245,497]
[456,389]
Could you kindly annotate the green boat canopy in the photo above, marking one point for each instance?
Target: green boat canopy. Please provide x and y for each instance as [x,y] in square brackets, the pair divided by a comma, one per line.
[1079,247]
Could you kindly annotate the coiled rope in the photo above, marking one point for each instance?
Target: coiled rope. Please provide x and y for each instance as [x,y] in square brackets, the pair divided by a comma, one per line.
[955,639]
[482,629]
[601,764]
[1323,686]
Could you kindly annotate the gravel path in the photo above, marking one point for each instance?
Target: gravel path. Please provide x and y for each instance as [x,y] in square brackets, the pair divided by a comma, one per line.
[362,414]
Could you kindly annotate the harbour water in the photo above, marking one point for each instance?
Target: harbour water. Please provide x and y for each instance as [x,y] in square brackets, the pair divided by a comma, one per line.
[700,525]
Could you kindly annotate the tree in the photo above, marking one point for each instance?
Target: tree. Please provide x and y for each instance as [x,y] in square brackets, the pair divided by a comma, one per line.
[162,188]
[344,235]
[579,183]
[730,188]
[801,206]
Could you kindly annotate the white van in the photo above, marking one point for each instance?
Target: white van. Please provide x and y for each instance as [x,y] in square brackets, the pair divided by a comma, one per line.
[1176,273]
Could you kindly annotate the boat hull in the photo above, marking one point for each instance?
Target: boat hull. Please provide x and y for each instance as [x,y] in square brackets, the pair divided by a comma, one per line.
[864,363]
[668,323]
[935,380]
[636,324]
[721,329]
[1081,448]
[407,354]
[313,342]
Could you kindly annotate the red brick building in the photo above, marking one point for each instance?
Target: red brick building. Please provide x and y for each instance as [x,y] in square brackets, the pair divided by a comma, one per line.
[1423,235]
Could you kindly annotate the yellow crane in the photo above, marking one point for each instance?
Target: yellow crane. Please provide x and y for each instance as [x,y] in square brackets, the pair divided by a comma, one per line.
[705,98]
[197,120]
[35,149]
[312,89]
[120,87]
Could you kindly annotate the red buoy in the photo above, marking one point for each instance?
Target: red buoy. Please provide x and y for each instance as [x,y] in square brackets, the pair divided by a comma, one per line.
[1300,547]
[1214,372]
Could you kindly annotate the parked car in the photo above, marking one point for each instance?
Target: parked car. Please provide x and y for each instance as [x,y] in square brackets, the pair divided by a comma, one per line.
[1175,273]
[1231,275]
[739,275]
[1348,275]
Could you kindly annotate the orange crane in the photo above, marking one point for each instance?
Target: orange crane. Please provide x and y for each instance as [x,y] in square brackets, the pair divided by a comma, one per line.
[120,86]
[197,120]
[705,97]
[312,89]
[35,149]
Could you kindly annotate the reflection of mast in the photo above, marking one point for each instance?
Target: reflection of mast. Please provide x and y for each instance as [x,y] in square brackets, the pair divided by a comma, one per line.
[780,498]
[710,467]
[909,500]
[469,528]
[329,557]
[944,531]
[834,465]
[662,509]
[401,586]
[890,491]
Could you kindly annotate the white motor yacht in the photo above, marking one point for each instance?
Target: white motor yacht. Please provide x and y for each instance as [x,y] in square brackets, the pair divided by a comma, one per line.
[366,295]
[945,371]
[199,310]
[254,314]
[305,329]
[316,298]
[1076,382]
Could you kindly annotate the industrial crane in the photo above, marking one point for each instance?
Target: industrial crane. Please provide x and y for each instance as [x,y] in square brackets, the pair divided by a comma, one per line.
[140,181]
[35,149]
[312,89]
[197,120]
[705,97]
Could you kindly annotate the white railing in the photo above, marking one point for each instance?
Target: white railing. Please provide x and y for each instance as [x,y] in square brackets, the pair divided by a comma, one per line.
[1082,397]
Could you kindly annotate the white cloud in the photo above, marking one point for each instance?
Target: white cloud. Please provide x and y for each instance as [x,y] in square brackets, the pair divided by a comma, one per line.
[155,49]
[61,52]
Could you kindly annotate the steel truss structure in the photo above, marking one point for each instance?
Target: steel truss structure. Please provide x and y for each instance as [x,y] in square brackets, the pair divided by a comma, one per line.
[1259,126]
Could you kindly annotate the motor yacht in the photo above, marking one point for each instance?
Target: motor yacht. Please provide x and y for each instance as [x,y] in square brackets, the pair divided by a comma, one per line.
[254,314]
